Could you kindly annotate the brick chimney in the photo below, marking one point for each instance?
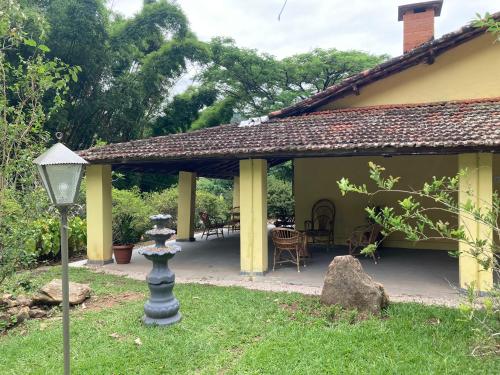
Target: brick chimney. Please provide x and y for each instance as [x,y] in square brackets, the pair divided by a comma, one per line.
[418,22]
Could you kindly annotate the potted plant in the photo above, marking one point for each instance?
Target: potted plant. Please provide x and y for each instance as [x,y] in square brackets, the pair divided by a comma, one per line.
[125,235]
[130,221]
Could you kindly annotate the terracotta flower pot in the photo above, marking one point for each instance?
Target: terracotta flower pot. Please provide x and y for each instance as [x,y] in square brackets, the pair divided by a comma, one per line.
[123,253]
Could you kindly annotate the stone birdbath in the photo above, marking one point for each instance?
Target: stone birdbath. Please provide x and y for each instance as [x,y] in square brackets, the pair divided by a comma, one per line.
[162,308]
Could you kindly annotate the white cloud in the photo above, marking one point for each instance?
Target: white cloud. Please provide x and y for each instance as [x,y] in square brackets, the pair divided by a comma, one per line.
[369,25]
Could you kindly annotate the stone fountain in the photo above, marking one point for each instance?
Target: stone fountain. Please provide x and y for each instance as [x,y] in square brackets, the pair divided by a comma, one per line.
[162,308]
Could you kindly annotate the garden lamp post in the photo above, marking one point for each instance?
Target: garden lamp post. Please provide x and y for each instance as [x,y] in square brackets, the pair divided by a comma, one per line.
[61,172]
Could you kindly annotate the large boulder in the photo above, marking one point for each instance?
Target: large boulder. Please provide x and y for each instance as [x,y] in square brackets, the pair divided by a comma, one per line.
[347,285]
[51,293]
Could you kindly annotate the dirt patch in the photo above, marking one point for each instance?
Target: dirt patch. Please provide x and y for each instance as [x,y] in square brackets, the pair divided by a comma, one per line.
[97,303]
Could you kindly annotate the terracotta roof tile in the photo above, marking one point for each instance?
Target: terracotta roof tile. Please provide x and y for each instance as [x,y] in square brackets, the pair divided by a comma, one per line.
[433,127]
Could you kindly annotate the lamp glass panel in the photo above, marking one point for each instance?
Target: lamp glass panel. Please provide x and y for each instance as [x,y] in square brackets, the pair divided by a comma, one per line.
[63,181]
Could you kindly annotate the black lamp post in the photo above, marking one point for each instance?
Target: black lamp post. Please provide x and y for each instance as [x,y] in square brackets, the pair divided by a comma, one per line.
[61,172]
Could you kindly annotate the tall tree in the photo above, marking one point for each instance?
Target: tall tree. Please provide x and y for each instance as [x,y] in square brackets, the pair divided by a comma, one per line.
[129,65]
[247,83]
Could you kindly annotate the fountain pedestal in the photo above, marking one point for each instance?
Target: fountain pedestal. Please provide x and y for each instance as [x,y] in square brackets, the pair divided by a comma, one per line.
[162,308]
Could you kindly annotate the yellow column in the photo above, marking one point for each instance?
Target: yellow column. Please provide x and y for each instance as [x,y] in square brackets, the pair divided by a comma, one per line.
[236,191]
[253,217]
[99,235]
[477,187]
[186,205]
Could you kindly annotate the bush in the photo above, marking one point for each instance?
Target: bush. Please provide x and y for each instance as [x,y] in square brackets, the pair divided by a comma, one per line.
[280,202]
[131,214]
[212,204]
[44,240]
[165,202]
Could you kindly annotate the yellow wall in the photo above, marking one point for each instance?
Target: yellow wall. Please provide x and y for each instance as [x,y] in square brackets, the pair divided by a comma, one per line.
[99,233]
[467,71]
[315,178]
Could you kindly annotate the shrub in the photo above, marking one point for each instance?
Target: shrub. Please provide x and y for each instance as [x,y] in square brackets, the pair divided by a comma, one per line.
[131,214]
[165,202]
[280,202]
[214,205]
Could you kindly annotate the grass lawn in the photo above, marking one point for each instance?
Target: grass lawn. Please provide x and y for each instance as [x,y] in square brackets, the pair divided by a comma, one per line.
[238,331]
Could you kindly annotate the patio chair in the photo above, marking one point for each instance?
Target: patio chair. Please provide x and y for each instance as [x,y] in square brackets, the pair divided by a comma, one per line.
[363,236]
[320,229]
[284,221]
[211,226]
[234,220]
[288,247]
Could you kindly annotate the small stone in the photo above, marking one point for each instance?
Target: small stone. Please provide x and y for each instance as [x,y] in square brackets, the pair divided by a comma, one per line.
[347,285]
[51,293]
[37,313]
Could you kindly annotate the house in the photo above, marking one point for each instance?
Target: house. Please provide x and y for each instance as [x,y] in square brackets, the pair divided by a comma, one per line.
[432,111]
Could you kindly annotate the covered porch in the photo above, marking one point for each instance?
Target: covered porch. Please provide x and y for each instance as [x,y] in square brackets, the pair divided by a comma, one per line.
[324,147]
[407,275]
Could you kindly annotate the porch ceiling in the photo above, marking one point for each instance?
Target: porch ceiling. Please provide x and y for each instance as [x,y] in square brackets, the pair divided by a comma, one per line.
[213,168]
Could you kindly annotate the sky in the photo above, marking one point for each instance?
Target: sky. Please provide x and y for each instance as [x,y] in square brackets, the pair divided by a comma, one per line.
[367,25]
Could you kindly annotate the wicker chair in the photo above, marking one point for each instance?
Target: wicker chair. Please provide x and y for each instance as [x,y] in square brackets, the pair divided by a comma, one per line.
[288,247]
[320,229]
[211,226]
[363,236]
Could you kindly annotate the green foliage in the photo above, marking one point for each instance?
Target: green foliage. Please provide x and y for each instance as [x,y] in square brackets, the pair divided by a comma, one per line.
[183,111]
[212,196]
[214,205]
[129,66]
[491,24]
[43,236]
[34,86]
[130,216]
[165,202]
[280,202]
[259,83]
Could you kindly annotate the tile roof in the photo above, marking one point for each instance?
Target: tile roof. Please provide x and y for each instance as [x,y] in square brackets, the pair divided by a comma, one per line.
[425,53]
[443,127]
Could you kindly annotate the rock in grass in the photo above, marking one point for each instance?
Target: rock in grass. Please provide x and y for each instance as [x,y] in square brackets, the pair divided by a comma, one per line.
[347,285]
[51,293]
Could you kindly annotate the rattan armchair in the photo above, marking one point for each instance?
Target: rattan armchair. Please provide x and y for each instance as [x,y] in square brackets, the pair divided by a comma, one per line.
[288,247]
[363,236]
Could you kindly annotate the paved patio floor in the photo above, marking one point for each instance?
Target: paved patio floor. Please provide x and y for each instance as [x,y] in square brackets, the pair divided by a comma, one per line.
[427,276]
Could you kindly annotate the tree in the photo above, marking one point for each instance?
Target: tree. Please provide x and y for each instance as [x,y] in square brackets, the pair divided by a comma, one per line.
[32,90]
[129,66]
[259,83]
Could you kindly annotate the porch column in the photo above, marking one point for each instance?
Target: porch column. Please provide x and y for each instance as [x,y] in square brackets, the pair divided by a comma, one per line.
[236,191]
[253,217]
[476,186]
[99,236]
[186,205]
